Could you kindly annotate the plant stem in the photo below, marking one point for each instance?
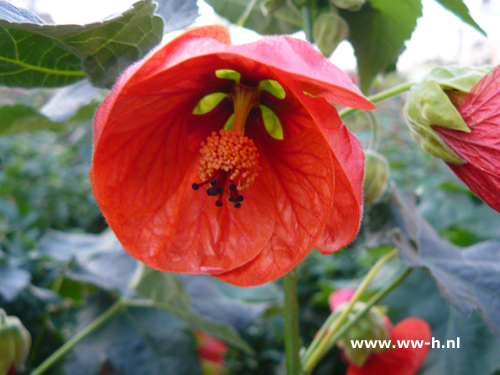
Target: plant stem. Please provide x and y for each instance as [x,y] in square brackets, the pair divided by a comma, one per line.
[243,18]
[291,312]
[312,357]
[307,23]
[396,90]
[372,302]
[374,126]
[66,348]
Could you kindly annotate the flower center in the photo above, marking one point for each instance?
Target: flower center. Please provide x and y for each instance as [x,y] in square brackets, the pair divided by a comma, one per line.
[228,165]
[229,160]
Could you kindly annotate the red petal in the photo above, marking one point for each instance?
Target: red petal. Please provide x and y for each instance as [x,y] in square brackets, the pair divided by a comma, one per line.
[398,361]
[481,147]
[144,163]
[297,178]
[348,161]
[155,61]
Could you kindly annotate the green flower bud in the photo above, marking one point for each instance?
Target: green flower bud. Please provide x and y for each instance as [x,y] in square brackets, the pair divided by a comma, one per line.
[353,5]
[371,326]
[429,105]
[269,6]
[15,343]
[329,30]
[376,176]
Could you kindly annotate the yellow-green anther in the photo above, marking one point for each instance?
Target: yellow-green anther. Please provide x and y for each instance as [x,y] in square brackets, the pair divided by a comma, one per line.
[271,122]
[228,74]
[229,123]
[273,87]
[209,102]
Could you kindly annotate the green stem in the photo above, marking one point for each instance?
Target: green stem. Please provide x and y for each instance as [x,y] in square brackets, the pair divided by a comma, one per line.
[374,129]
[291,312]
[243,18]
[66,348]
[307,23]
[372,302]
[396,90]
[312,357]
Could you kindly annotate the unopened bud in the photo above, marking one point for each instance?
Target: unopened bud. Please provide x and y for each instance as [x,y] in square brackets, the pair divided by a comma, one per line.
[329,30]
[376,176]
[352,5]
[372,326]
[15,343]
[433,102]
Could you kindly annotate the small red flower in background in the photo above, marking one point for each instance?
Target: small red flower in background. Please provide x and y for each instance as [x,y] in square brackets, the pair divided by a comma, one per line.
[393,361]
[170,180]
[398,361]
[211,352]
[481,147]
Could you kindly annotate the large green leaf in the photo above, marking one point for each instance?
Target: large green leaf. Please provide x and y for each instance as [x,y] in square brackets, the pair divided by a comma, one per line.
[285,20]
[134,341]
[33,54]
[461,11]
[378,32]
[168,293]
[419,296]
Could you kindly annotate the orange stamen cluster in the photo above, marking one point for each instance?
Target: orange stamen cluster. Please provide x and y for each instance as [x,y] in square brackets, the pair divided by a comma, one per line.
[229,164]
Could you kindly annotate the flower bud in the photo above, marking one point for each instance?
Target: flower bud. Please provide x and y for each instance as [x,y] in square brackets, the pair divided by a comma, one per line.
[372,326]
[329,30]
[15,343]
[429,105]
[352,5]
[376,176]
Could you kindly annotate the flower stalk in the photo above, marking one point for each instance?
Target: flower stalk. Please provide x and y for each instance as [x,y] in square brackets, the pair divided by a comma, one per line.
[69,345]
[396,90]
[323,341]
[291,312]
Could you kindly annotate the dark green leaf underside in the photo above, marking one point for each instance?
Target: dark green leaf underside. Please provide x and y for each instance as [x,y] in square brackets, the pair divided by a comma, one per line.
[34,55]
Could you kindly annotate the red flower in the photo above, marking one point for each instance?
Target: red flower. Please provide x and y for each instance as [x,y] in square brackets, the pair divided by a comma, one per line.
[300,189]
[211,352]
[398,361]
[481,147]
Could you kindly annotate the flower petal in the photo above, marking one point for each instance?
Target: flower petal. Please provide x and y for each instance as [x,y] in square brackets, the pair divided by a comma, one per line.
[398,361]
[348,160]
[298,178]
[481,147]
[316,75]
[145,161]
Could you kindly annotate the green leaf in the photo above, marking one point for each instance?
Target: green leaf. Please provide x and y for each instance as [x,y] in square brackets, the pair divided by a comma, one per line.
[41,55]
[285,20]
[419,297]
[20,118]
[378,32]
[167,292]
[458,8]
[161,287]
[69,106]
[136,340]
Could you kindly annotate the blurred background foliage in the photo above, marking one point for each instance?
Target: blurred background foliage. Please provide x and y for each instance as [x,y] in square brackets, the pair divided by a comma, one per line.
[61,268]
